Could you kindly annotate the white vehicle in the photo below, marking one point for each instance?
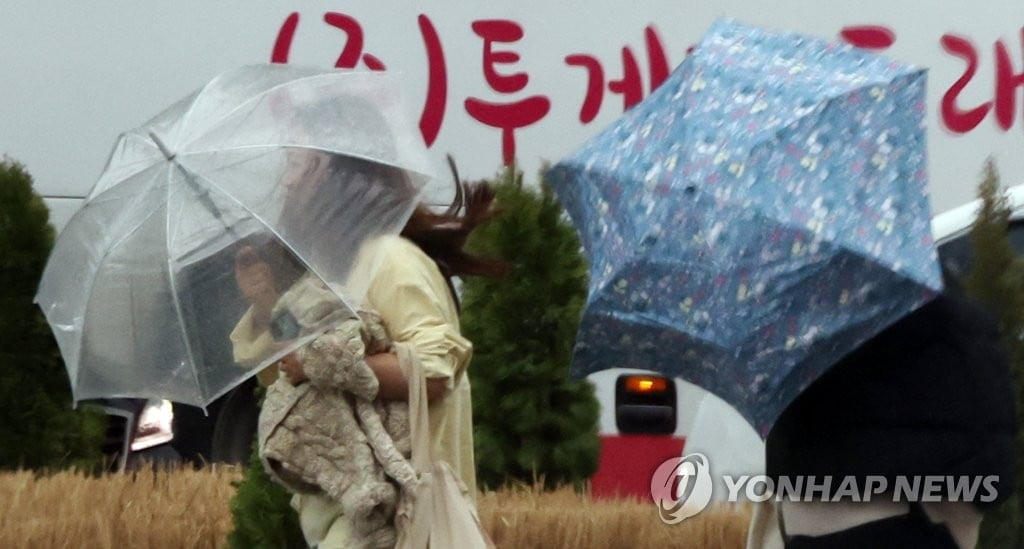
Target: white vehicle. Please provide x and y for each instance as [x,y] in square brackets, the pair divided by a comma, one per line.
[951,230]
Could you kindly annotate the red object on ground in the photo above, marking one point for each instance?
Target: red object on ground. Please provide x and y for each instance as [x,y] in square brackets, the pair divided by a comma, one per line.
[628,461]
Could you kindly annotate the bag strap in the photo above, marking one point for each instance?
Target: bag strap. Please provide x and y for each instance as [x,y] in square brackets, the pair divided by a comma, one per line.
[419,416]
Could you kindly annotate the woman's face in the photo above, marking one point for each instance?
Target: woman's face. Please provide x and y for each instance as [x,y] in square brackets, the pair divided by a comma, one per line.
[304,173]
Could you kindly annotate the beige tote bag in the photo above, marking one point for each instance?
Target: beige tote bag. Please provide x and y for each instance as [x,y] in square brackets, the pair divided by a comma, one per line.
[435,510]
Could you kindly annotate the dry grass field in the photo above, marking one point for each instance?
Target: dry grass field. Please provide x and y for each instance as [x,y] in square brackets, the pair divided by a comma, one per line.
[528,518]
[186,508]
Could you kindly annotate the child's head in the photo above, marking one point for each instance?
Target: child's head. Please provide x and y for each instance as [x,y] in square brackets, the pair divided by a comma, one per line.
[284,266]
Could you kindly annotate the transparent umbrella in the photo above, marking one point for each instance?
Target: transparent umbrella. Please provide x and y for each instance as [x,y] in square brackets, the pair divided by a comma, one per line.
[281,173]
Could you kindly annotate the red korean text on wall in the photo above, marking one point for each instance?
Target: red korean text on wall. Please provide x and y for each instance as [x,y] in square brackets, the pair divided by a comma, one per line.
[513,103]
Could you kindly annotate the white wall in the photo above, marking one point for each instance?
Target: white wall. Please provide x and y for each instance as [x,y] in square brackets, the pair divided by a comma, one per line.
[78,73]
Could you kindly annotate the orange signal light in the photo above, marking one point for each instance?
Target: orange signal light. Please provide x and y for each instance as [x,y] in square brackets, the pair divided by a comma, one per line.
[646,384]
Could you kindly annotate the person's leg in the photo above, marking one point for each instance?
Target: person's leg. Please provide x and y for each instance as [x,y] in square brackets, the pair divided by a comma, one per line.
[318,517]
[812,529]
[339,536]
[763,532]
[815,518]
[961,518]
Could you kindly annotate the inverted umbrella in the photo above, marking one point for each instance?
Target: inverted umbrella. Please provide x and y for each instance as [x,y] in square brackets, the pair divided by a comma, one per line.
[298,170]
[756,218]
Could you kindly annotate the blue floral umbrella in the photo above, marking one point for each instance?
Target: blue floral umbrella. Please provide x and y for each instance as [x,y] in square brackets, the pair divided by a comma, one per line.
[759,216]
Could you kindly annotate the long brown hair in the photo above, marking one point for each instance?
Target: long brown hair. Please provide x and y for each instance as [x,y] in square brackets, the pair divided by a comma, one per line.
[442,236]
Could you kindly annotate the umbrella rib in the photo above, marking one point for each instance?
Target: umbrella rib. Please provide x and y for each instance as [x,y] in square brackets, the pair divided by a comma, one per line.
[214,186]
[95,275]
[272,146]
[191,108]
[188,114]
[824,104]
[174,292]
[130,233]
[124,138]
[103,198]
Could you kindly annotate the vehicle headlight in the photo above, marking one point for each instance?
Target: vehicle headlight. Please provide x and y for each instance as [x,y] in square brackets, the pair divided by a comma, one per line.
[155,425]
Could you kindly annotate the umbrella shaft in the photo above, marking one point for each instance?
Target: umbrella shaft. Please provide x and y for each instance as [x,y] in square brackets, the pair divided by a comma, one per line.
[203,194]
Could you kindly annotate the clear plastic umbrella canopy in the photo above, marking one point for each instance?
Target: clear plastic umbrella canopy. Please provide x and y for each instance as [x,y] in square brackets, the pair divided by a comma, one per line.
[294,171]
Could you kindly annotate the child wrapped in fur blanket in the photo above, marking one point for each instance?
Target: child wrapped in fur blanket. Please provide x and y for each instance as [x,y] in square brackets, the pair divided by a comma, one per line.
[329,434]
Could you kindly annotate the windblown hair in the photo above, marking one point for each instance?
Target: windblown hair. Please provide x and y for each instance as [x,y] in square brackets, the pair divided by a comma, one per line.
[352,191]
[443,236]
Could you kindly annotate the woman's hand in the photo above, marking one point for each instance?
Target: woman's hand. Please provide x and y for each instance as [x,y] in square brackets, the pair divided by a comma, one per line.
[256,281]
[291,366]
[393,384]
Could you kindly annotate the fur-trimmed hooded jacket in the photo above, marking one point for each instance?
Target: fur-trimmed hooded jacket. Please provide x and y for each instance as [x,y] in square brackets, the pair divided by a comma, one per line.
[328,435]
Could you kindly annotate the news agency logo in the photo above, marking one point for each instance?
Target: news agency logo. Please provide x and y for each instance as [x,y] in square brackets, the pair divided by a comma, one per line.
[682,487]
